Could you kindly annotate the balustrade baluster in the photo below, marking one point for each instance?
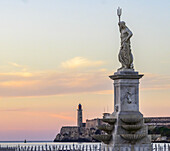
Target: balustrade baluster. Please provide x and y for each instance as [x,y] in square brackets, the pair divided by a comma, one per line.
[46,147]
[90,148]
[21,148]
[73,148]
[18,149]
[56,147]
[168,147]
[156,147]
[159,147]
[164,147]
[99,147]
[49,147]
[53,148]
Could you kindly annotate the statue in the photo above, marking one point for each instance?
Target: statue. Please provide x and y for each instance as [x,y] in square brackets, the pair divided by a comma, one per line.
[125,55]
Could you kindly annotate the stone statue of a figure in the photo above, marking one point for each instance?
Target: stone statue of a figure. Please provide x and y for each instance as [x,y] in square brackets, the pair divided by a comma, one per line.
[125,55]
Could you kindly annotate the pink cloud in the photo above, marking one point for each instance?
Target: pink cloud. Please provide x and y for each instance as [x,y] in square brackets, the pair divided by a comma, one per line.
[14,110]
[63,117]
[52,83]
[155,82]
[58,83]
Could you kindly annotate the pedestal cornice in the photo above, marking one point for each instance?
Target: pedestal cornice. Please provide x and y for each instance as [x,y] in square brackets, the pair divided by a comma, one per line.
[126,75]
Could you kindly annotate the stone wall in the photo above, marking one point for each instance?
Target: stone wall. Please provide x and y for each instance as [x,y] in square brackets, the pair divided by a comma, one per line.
[76,134]
[69,129]
[159,121]
[93,123]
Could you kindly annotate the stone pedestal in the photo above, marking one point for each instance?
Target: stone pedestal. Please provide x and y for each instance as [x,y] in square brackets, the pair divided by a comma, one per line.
[129,130]
[126,90]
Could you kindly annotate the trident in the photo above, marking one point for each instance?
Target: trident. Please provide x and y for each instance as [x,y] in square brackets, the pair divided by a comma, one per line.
[119,12]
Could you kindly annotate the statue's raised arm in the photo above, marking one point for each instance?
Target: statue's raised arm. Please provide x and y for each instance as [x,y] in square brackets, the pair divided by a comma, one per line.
[125,55]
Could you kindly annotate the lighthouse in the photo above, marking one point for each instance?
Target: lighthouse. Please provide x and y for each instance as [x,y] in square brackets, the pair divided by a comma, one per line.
[79,116]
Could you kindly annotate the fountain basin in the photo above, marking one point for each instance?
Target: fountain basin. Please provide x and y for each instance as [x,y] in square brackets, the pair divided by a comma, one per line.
[131,120]
[132,127]
[105,127]
[104,138]
[109,120]
[132,137]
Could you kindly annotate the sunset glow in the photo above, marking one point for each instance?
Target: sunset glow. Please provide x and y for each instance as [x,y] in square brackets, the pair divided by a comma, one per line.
[57,54]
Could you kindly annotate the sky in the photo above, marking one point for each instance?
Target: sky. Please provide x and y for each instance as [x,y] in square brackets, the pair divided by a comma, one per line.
[59,53]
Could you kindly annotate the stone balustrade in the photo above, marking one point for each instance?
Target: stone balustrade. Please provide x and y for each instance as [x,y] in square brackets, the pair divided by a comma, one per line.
[73,147]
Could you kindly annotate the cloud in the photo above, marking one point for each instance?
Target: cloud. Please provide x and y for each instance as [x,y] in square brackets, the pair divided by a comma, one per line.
[14,110]
[80,62]
[52,83]
[16,84]
[155,82]
[13,64]
[45,83]
[63,117]
[16,74]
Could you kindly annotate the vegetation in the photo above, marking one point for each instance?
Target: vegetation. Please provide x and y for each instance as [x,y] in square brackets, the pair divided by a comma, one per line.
[163,130]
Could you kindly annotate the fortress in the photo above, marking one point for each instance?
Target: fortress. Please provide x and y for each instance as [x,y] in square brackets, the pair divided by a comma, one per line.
[83,131]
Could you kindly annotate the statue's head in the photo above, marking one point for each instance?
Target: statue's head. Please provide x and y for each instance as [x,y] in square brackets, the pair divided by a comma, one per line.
[122,24]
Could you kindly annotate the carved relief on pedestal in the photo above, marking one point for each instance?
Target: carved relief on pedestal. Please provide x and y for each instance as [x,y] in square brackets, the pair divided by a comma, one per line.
[128,99]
